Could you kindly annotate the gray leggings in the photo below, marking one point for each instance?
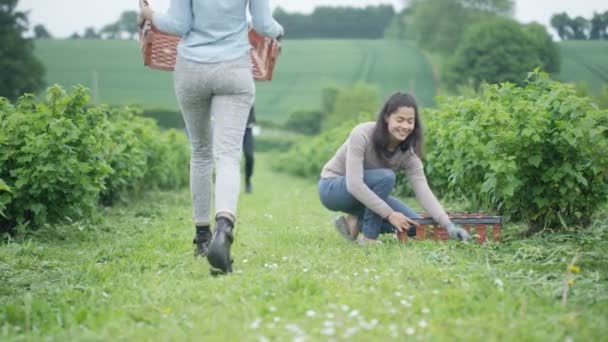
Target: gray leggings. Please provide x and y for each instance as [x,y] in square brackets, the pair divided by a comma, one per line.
[226,91]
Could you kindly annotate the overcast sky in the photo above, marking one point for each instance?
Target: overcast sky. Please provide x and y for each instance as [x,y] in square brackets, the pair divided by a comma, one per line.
[64,17]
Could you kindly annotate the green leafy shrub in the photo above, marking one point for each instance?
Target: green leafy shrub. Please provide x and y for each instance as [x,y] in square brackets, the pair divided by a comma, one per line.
[275,140]
[351,103]
[304,122]
[494,50]
[351,106]
[142,156]
[535,153]
[61,157]
[165,118]
[308,155]
[53,157]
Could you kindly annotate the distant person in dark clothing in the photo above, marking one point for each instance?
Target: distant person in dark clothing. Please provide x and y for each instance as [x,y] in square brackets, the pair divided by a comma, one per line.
[248,150]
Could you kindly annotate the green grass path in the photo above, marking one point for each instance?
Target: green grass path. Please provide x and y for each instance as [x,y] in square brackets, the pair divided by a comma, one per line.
[132,276]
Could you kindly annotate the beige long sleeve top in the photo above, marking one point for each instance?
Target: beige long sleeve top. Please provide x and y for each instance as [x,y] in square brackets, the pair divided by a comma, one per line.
[358,154]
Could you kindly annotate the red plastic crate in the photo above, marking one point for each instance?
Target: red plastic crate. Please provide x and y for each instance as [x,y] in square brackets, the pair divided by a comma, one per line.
[159,50]
[476,224]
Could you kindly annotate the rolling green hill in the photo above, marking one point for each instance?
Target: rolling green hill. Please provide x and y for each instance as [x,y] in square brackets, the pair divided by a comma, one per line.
[585,61]
[114,72]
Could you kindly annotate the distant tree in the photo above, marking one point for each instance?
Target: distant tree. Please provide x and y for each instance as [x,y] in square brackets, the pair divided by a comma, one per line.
[561,23]
[546,49]
[90,33]
[439,25]
[338,22]
[111,31]
[397,28]
[499,7]
[21,71]
[40,32]
[579,26]
[493,51]
[75,35]
[128,23]
[598,24]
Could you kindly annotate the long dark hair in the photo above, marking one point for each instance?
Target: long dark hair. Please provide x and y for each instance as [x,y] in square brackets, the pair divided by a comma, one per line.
[381,135]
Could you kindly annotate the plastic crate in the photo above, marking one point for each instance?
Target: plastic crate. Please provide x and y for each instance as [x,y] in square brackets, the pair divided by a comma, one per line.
[481,226]
[159,50]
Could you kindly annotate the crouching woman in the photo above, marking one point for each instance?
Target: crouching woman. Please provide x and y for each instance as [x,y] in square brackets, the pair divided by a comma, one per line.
[359,179]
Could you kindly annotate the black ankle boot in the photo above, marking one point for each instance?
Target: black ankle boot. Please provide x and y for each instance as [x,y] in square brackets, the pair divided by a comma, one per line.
[201,242]
[219,247]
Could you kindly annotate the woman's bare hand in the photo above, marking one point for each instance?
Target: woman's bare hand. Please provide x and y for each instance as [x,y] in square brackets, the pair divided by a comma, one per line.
[146,13]
[400,221]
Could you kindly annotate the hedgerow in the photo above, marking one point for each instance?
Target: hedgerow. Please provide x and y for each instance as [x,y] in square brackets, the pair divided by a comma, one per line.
[60,157]
[535,153]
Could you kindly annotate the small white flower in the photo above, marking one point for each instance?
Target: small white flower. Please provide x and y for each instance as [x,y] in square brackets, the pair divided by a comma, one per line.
[344,307]
[276,319]
[398,294]
[426,310]
[406,303]
[435,292]
[422,324]
[255,324]
[410,331]
[499,284]
[272,309]
[305,270]
[328,331]
[353,313]
[245,261]
[310,313]
[410,297]
[330,315]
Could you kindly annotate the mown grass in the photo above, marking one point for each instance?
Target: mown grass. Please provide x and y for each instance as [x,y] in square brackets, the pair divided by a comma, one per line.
[114,72]
[130,275]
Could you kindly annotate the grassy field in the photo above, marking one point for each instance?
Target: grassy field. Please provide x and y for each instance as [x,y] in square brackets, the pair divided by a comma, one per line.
[131,276]
[114,71]
[585,61]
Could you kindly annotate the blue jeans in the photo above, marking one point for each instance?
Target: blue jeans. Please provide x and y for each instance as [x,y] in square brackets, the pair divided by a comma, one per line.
[334,196]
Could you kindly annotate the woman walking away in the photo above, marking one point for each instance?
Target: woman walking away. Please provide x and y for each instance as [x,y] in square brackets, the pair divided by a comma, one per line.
[360,177]
[213,76]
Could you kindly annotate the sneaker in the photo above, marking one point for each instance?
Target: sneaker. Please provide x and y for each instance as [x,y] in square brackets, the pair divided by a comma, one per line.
[343,228]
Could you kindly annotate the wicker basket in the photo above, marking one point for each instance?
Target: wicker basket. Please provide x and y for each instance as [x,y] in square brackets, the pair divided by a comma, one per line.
[159,50]
[474,223]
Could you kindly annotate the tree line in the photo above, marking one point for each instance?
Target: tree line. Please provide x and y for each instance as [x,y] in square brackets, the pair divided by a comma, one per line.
[580,28]
[337,22]
[324,22]
[477,41]
[124,26]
